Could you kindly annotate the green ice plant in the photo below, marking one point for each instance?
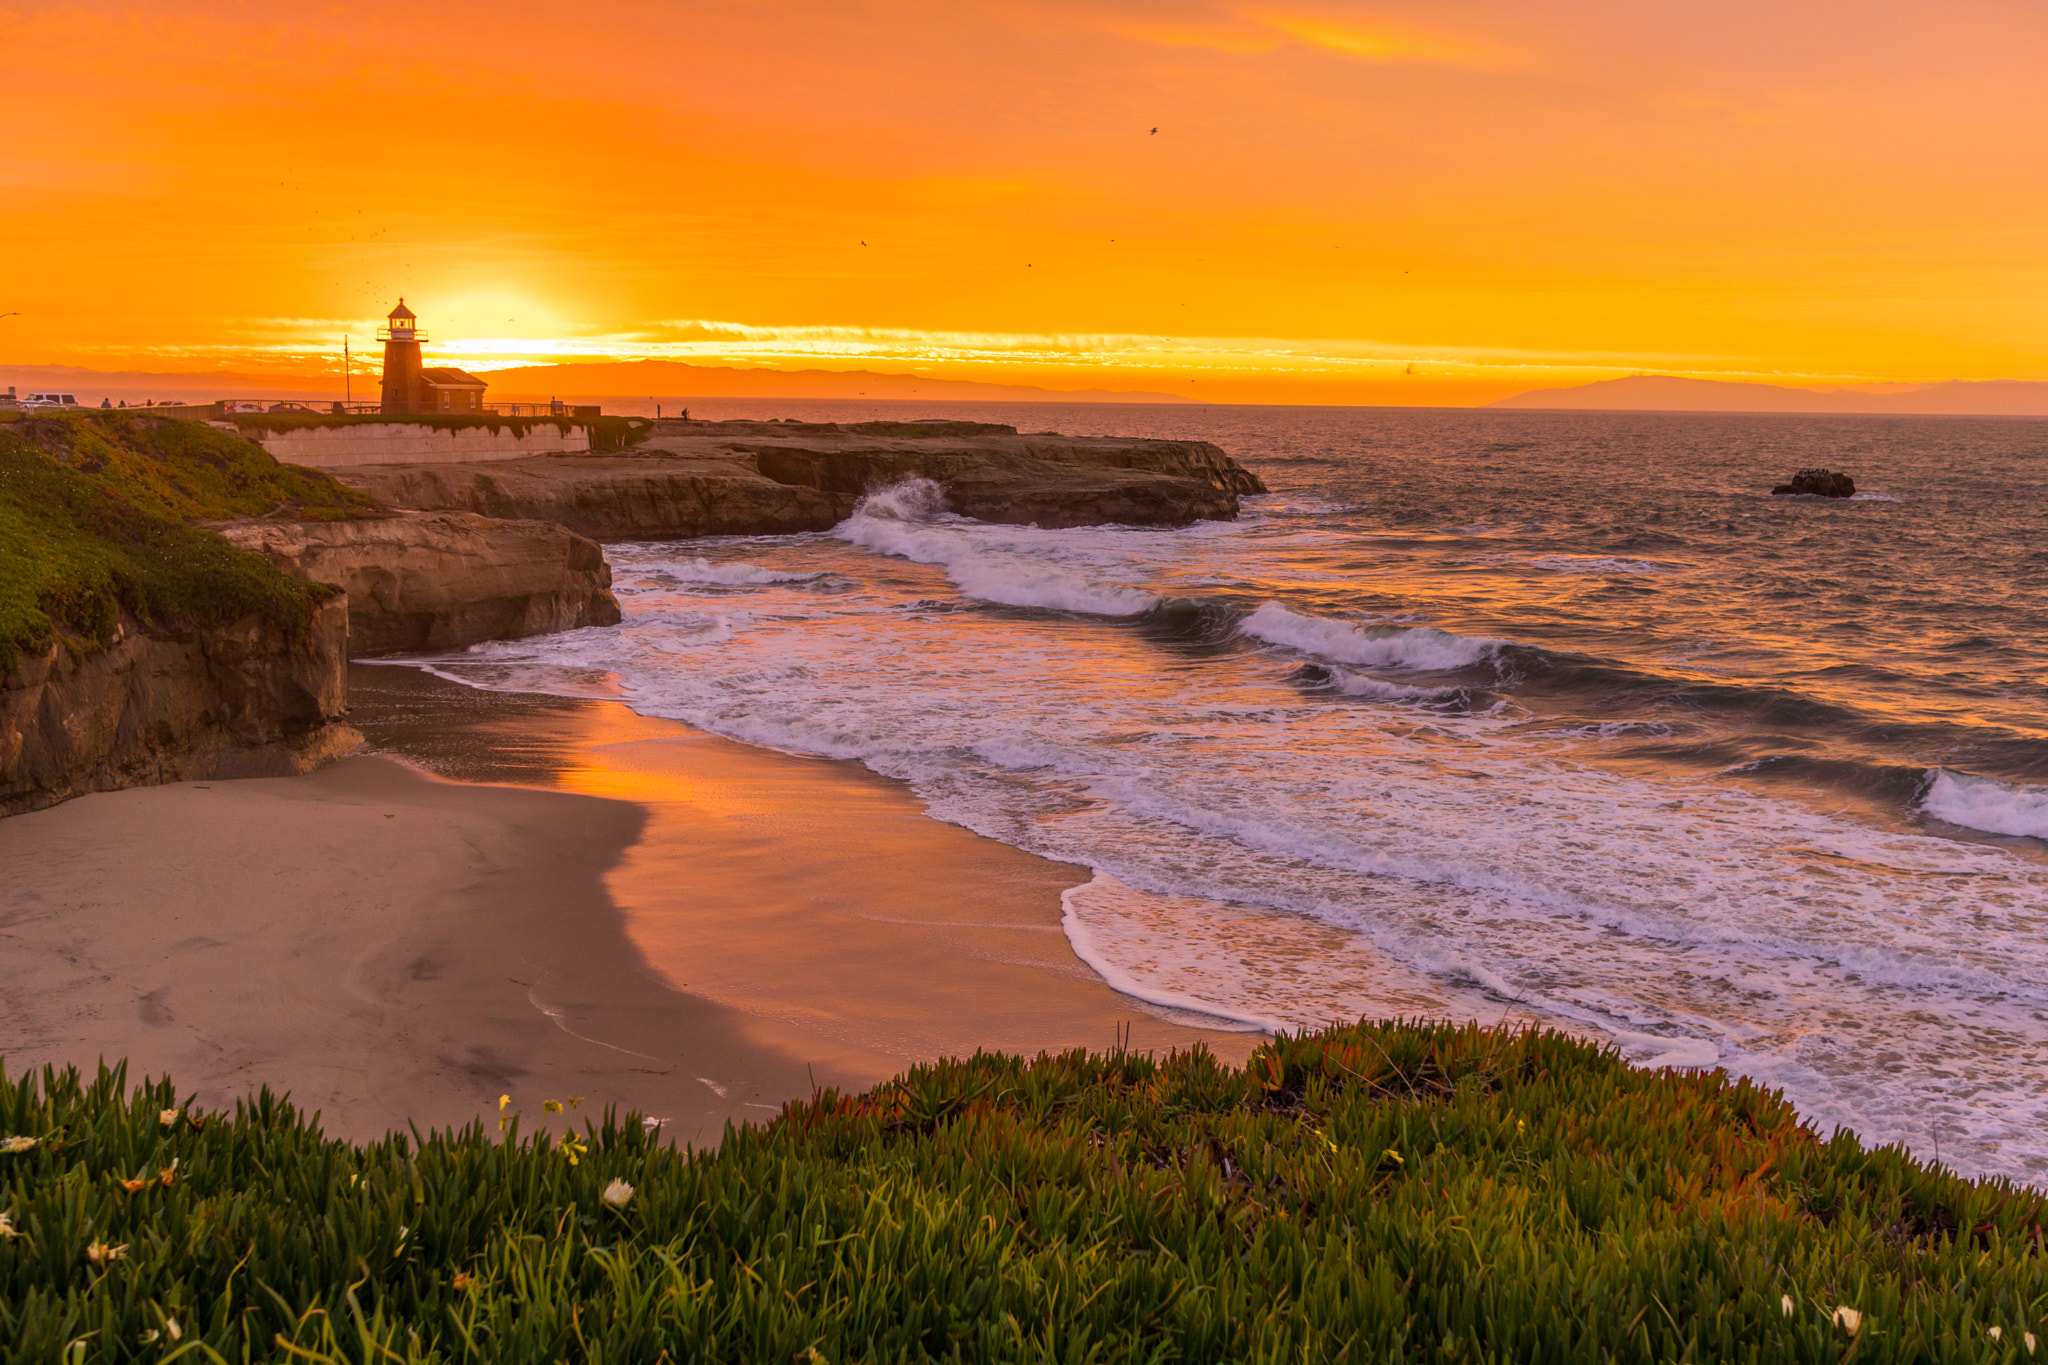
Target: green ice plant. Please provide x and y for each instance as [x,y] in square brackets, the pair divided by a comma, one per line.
[1387,1191]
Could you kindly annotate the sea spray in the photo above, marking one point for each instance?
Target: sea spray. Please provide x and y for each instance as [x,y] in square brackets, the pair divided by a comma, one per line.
[908,519]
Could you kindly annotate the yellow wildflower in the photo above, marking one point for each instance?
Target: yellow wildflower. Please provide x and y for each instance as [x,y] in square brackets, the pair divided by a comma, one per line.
[574,1147]
[551,1106]
[1391,1155]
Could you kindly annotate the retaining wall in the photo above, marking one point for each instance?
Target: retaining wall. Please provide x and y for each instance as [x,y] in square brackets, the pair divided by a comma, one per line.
[414,443]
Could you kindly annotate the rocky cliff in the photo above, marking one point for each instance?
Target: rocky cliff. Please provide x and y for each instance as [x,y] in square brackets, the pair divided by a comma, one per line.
[444,580]
[767,478]
[171,703]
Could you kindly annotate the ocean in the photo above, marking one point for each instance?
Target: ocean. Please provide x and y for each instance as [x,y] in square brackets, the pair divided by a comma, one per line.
[1526,716]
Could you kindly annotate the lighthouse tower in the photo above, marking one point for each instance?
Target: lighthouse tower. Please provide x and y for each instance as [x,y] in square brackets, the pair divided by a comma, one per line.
[401,338]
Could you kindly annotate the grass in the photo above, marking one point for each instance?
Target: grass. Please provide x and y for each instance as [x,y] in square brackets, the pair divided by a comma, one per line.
[1384,1192]
[96,518]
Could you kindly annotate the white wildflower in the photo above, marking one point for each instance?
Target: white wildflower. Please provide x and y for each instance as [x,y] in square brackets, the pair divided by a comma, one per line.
[1997,1332]
[100,1252]
[1848,1319]
[2029,1339]
[171,1326]
[167,1117]
[13,1145]
[617,1193]
[7,1228]
[149,1334]
[1785,1302]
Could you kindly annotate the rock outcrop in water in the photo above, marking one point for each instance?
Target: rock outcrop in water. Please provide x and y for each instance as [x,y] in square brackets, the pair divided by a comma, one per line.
[1817,483]
[771,478]
[171,704]
[444,580]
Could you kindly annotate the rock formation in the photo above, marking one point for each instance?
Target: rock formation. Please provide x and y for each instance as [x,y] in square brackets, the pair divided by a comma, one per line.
[444,580]
[1818,483]
[171,704]
[770,478]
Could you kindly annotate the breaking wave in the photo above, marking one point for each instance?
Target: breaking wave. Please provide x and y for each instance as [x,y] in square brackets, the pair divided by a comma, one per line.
[909,520]
[1981,803]
[1417,647]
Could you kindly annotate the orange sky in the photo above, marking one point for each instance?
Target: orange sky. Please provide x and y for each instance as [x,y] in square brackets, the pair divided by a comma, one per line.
[1502,196]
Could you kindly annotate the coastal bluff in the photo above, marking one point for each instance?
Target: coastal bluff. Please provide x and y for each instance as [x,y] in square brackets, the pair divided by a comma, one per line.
[688,478]
[443,580]
[174,702]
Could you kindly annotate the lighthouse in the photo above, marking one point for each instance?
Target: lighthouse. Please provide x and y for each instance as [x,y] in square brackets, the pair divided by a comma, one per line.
[401,337]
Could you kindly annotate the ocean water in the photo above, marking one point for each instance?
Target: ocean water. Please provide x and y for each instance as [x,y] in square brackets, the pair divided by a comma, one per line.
[1544,716]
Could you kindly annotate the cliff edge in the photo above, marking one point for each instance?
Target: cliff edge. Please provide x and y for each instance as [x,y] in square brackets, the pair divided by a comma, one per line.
[688,479]
[136,647]
[442,580]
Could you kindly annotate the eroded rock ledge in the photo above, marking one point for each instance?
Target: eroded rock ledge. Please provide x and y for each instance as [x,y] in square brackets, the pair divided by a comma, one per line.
[443,580]
[173,705]
[769,478]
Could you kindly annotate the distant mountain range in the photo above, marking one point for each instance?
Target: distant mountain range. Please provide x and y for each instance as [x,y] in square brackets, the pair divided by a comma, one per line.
[604,379]
[1670,393]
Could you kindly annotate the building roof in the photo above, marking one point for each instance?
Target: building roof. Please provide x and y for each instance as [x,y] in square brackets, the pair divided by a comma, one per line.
[446,377]
[402,311]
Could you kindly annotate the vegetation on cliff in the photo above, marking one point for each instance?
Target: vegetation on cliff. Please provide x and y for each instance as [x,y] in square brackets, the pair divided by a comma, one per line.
[96,518]
[1383,1192]
[606,433]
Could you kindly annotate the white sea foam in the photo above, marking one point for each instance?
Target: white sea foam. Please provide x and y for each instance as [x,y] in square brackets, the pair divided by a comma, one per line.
[907,520]
[1270,857]
[1983,804]
[1379,646]
[1364,685]
[736,573]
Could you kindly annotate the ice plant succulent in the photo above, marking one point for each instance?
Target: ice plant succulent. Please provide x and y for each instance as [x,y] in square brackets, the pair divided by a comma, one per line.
[617,1193]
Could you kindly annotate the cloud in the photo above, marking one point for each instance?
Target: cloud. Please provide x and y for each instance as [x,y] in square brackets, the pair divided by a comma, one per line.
[1259,31]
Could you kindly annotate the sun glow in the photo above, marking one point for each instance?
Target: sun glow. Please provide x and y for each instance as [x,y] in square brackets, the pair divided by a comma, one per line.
[1292,203]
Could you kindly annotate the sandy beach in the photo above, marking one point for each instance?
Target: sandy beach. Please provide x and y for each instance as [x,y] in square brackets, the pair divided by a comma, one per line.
[536,896]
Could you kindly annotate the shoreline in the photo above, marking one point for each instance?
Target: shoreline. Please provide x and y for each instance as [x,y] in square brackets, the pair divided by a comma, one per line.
[538,896]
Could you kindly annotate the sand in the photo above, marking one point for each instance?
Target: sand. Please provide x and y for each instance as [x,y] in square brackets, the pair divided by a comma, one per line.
[542,897]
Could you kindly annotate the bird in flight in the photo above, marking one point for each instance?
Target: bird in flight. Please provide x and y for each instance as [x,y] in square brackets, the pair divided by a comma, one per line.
[1155,132]
[863,243]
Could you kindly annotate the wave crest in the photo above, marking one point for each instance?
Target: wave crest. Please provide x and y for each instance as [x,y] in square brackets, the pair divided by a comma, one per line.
[1981,803]
[1419,647]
